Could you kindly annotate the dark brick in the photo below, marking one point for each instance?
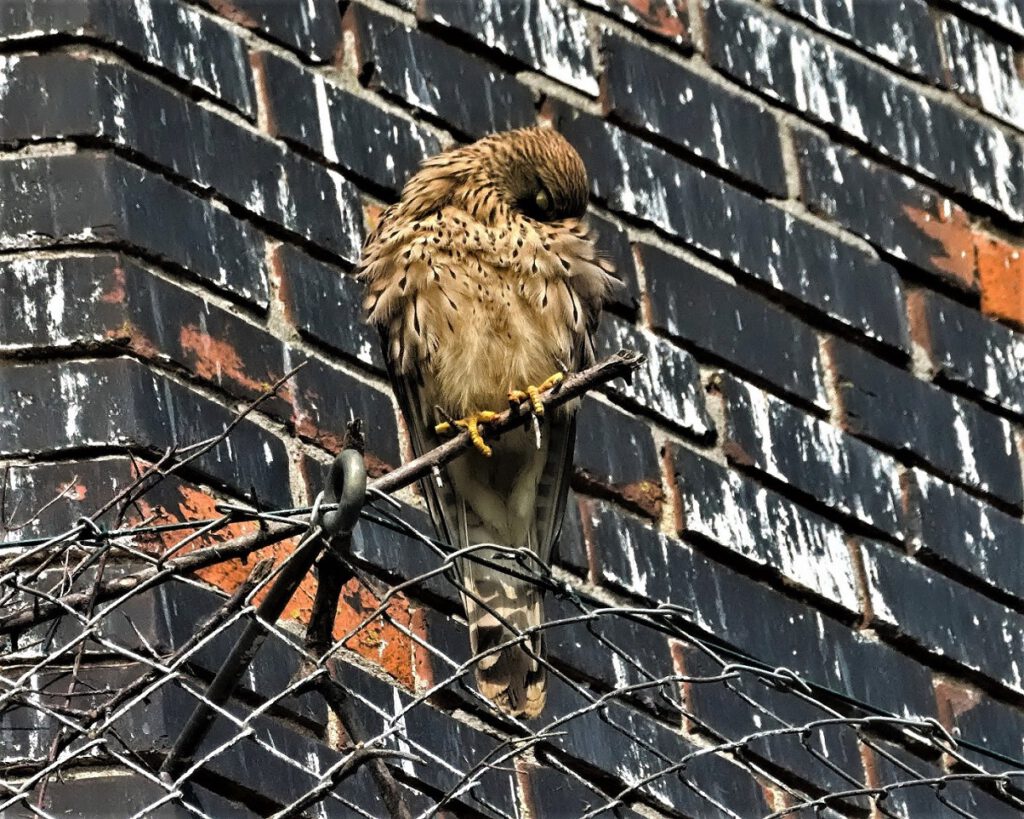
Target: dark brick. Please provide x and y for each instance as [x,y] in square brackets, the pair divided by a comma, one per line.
[762,241]
[676,103]
[110,299]
[746,706]
[174,612]
[457,87]
[161,33]
[326,304]
[398,556]
[313,28]
[615,650]
[811,455]
[275,761]
[971,350]
[455,749]
[894,764]
[957,529]
[301,196]
[444,661]
[550,792]
[897,215]
[91,198]
[615,452]
[78,796]
[983,721]
[83,486]
[984,70]
[327,398]
[768,53]
[50,407]
[666,386]
[743,328]
[570,548]
[525,32]
[888,405]
[898,32]
[1008,15]
[448,749]
[944,617]
[613,242]
[343,128]
[668,19]
[762,526]
[776,629]
[631,746]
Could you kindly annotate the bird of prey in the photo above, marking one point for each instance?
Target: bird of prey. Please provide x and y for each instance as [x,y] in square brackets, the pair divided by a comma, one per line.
[484,283]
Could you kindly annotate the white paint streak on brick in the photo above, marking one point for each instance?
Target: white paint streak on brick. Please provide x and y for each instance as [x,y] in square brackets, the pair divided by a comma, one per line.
[323,109]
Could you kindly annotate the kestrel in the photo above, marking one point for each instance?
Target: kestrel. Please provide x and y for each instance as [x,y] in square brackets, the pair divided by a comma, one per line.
[483,280]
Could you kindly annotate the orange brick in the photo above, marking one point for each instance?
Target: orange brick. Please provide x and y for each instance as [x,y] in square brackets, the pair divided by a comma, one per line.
[1001,274]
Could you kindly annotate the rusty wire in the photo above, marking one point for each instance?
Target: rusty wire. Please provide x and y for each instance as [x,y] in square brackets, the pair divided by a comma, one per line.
[61,595]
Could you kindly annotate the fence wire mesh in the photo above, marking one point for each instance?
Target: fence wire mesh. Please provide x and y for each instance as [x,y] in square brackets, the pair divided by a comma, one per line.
[112,640]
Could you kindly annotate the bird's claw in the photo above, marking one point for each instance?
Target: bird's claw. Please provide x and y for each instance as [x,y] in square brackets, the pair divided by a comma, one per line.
[472,423]
[533,393]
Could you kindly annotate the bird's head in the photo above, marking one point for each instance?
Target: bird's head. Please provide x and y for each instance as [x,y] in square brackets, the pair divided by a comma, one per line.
[533,172]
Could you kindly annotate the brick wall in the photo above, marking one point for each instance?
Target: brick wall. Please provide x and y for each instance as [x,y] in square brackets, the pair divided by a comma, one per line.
[816,208]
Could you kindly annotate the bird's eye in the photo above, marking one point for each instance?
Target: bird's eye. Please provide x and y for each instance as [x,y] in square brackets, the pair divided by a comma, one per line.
[543,201]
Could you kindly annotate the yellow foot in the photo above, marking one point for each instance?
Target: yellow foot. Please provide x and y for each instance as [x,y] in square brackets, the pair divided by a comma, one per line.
[533,393]
[472,423]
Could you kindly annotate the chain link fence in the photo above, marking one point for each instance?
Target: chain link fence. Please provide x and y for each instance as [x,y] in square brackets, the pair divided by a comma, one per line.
[129,682]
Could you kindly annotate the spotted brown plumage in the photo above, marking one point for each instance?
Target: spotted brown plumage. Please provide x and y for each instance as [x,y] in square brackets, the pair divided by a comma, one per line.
[483,278]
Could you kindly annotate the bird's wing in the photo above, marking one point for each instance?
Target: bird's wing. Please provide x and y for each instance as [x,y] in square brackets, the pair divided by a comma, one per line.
[417,406]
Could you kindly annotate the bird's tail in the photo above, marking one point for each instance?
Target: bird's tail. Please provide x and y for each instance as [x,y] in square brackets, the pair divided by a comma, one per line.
[505,607]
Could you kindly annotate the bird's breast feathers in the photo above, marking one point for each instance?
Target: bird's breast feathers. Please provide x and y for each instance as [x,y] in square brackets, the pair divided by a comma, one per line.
[483,309]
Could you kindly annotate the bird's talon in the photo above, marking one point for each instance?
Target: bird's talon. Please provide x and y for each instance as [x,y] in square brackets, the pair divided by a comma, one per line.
[472,424]
[533,394]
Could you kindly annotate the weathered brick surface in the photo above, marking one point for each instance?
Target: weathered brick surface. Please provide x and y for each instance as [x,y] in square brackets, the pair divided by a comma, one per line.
[666,386]
[659,568]
[826,756]
[813,456]
[765,528]
[892,762]
[550,792]
[425,72]
[110,299]
[613,242]
[984,70]
[684,107]
[900,32]
[48,408]
[625,464]
[281,187]
[91,198]
[829,86]
[326,304]
[668,19]
[161,33]
[812,209]
[312,28]
[1007,14]
[341,126]
[883,403]
[984,357]
[749,332]
[973,631]
[897,215]
[958,529]
[547,36]
[762,241]
[989,723]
